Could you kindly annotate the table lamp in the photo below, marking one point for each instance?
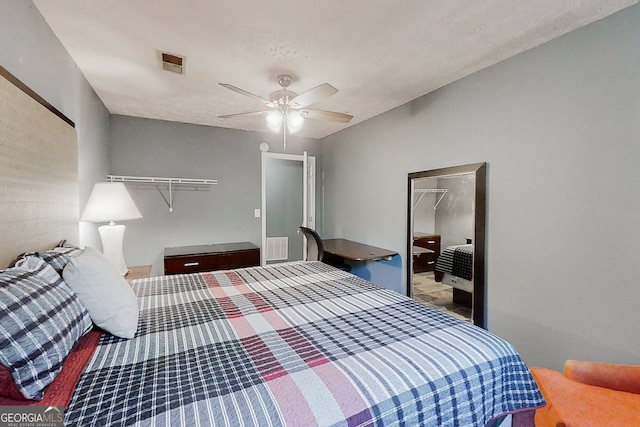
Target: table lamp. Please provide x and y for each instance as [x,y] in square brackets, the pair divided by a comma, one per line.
[110,202]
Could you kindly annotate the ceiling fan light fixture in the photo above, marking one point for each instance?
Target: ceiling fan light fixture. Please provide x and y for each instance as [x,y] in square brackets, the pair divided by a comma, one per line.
[274,120]
[285,107]
[294,121]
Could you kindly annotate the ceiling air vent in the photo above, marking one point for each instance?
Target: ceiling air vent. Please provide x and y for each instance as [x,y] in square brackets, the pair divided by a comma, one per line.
[173,63]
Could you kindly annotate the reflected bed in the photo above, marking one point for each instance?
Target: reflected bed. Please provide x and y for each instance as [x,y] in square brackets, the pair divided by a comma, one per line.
[454,267]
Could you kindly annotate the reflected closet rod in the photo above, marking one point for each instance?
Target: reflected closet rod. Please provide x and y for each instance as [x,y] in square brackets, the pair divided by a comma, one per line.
[441,191]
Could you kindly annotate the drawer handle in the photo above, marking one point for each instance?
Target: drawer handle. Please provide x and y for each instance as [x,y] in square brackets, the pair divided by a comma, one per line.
[431,262]
[191,264]
[431,241]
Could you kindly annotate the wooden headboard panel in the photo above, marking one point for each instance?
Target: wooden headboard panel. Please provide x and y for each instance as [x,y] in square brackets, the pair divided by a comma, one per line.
[38,172]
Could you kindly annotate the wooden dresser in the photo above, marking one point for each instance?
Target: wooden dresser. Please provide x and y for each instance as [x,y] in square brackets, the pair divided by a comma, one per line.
[223,256]
[425,252]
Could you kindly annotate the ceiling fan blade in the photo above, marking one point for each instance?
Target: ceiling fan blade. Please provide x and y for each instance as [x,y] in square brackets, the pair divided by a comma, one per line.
[327,115]
[313,95]
[245,93]
[251,113]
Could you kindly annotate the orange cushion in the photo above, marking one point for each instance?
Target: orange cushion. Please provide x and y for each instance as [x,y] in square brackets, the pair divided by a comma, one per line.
[607,375]
[570,403]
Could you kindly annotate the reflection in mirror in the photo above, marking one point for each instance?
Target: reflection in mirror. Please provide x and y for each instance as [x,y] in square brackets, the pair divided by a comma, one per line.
[446,217]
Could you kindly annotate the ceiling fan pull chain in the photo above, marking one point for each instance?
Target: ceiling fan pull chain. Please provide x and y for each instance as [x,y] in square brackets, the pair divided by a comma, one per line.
[284,135]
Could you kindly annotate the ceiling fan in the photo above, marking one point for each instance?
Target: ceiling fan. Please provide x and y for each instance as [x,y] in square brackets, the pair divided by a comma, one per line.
[286,108]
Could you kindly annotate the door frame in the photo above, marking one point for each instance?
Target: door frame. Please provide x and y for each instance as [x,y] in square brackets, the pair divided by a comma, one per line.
[308,194]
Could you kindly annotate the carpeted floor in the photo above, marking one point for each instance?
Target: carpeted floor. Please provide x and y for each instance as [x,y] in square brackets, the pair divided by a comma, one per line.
[427,291]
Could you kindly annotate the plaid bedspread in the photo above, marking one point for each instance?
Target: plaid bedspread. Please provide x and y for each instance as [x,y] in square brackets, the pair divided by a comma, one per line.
[296,344]
[456,260]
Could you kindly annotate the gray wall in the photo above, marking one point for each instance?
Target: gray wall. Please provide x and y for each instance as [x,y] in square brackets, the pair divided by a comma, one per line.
[454,214]
[222,213]
[32,53]
[559,128]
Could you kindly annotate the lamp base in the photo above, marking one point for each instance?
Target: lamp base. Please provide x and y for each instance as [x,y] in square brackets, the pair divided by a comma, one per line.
[112,237]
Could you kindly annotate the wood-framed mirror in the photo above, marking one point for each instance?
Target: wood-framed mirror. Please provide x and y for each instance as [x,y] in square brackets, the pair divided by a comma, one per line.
[446,211]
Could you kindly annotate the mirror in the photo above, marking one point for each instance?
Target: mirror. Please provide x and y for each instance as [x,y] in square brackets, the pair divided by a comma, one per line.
[446,240]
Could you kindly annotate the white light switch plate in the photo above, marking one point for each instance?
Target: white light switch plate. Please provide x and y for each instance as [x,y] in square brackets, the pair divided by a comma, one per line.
[256,213]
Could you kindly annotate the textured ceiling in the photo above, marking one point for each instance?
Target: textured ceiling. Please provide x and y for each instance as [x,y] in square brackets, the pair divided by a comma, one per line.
[379,53]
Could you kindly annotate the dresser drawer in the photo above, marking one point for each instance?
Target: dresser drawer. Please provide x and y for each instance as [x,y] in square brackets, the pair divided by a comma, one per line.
[424,262]
[189,264]
[429,242]
[238,259]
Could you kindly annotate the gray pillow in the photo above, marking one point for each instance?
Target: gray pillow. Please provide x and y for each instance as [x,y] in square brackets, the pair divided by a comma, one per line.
[40,322]
[107,296]
[40,267]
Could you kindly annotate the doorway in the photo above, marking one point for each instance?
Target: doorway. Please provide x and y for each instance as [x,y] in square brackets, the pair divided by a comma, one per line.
[288,201]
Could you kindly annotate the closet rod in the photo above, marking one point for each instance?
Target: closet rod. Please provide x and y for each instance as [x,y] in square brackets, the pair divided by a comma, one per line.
[161,180]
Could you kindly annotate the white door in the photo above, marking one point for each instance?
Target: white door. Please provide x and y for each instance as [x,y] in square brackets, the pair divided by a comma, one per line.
[288,201]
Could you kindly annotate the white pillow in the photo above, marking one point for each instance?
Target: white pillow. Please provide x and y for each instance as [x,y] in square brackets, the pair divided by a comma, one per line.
[109,299]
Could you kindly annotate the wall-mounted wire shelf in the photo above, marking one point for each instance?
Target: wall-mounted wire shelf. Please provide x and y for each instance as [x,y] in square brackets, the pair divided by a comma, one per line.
[170,182]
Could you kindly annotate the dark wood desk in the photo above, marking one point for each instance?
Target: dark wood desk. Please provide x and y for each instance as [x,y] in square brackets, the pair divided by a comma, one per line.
[348,249]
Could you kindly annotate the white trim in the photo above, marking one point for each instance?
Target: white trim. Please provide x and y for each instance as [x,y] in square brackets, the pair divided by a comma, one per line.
[305,199]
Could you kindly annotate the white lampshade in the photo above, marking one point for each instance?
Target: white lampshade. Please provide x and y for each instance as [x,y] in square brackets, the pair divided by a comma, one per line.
[110,201]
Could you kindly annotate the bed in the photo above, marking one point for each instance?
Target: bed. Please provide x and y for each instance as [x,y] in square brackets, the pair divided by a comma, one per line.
[289,344]
[454,267]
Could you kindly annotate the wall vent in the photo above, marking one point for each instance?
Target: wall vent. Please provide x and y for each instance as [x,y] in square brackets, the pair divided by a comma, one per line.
[173,63]
[277,249]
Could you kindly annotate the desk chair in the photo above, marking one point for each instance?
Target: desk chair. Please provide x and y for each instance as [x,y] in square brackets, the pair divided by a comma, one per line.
[315,250]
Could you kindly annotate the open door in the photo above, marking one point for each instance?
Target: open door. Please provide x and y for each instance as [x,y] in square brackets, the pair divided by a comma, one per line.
[288,201]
